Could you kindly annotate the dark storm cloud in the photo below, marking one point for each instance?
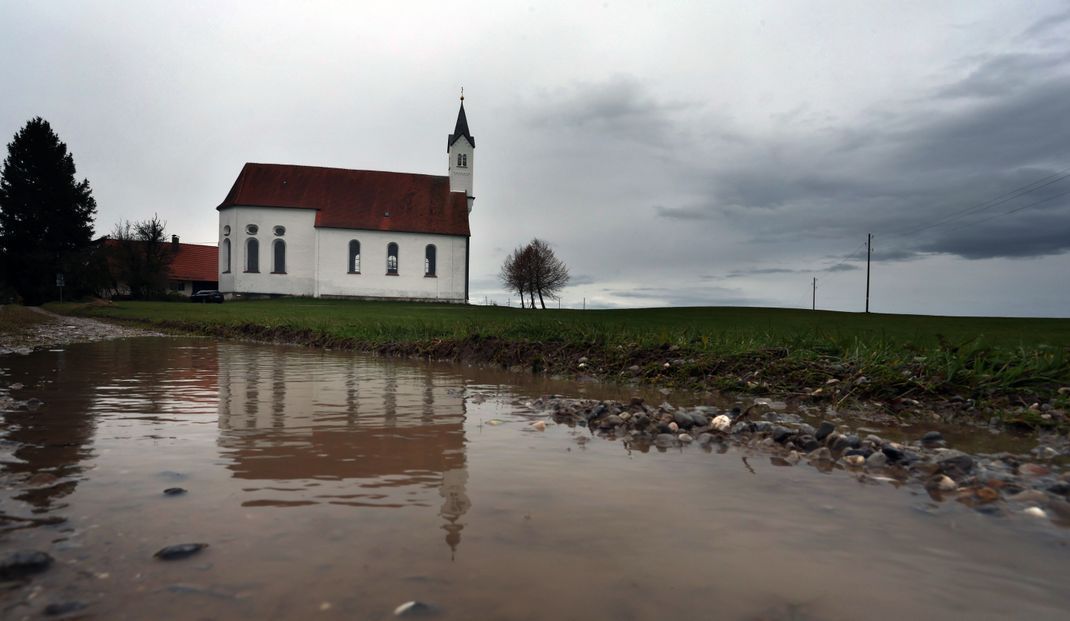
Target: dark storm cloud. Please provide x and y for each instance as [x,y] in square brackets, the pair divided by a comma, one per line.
[999,126]
[1041,234]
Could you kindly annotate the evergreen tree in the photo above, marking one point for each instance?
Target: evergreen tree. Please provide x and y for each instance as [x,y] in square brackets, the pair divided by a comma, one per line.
[46,216]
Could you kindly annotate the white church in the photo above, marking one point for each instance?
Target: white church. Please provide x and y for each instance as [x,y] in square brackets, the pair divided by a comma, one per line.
[333,232]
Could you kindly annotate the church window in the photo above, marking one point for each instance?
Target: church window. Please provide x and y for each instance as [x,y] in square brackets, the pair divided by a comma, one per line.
[279,257]
[226,230]
[392,259]
[280,231]
[226,256]
[252,229]
[354,256]
[252,255]
[429,260]
[462,160]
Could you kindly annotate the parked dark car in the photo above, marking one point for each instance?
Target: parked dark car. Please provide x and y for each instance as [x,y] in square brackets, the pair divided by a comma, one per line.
[205,296]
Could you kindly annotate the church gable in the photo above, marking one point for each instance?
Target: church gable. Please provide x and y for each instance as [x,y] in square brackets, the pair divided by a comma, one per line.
[355,199]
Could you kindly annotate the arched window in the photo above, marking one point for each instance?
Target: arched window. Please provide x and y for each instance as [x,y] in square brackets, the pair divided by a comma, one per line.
[354,256]
[252,255]
[462,160]
[392,259]
[429,260]
[226,256]
[279,256]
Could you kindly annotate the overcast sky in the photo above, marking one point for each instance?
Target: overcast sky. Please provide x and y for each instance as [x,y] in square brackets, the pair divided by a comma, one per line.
[698,153]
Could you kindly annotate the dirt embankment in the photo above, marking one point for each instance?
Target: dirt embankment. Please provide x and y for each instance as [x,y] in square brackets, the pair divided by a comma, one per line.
[28,329]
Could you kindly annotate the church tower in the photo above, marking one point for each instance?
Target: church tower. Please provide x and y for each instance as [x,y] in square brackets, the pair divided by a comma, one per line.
[461,148]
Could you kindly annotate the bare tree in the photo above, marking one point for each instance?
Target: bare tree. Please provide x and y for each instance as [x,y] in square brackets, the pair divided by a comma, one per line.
[141,257]
[533,270]
[514,273]
[549,273]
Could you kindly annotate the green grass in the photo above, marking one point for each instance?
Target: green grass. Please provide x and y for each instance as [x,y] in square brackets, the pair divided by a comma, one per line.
[755,349]
[721,328]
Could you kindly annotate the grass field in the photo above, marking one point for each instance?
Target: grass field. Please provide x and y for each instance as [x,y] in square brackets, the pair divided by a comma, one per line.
[724,328]
[752,349]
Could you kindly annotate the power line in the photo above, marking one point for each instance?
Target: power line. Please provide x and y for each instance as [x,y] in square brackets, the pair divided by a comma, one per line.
[1015,210]
[832,272]
[993,202]
[846,258]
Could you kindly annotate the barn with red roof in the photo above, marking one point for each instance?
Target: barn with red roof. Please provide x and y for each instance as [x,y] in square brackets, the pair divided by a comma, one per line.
[193,267]
[286,229]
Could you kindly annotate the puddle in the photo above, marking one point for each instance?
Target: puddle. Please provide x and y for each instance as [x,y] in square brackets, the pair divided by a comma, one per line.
[340,486]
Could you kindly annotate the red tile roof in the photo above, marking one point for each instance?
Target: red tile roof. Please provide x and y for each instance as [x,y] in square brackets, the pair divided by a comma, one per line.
[193,262]
[190,261]
[355,199]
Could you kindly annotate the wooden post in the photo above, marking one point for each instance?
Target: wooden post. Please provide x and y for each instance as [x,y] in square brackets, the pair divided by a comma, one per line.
[869,255]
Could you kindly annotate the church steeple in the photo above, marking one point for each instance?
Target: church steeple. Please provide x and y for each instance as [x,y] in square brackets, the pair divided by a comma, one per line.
[461,155]
[462,127]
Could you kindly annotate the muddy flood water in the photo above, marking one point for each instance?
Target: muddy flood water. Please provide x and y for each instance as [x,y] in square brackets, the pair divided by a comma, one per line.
[329,485]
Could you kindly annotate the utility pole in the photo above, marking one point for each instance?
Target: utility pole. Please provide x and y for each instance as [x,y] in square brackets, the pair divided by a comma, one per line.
[869,255]
[813,301]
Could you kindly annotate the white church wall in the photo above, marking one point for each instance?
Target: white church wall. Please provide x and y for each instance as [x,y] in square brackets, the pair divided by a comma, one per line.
[299,237]
[226,267]
[372,281]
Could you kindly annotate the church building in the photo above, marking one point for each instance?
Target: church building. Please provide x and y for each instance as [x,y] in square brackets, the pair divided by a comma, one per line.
[331,232]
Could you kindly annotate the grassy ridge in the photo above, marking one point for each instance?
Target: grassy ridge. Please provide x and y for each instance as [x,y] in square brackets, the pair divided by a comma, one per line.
[752,349]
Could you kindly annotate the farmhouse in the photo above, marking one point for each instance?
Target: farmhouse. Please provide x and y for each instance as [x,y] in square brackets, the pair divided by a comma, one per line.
[331,232]
[192,268]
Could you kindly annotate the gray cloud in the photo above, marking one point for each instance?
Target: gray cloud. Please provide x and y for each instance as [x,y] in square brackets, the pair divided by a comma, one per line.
[617,108]
[576,280]
[764,271]
[1001,74]
[686,213]
[933,157]
[689,296]
[1047,29]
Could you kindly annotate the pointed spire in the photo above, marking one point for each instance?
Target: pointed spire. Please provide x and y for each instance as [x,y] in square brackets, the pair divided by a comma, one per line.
[462,127]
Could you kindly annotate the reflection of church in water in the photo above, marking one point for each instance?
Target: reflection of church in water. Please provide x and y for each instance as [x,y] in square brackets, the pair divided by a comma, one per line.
[376,428]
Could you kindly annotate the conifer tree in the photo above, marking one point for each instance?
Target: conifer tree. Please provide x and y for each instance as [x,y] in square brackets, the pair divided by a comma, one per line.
[46,216]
